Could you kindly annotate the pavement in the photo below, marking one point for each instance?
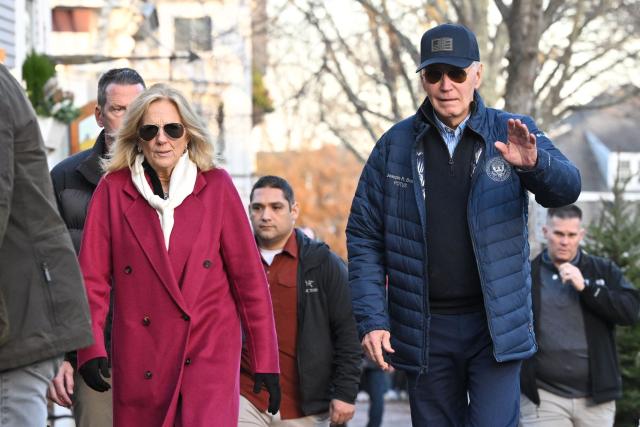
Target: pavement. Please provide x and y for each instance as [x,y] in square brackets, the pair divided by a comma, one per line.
[396,413]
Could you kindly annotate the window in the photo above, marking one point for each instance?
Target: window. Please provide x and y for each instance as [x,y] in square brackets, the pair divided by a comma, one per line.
[72,19]
[193,34]
[624,169]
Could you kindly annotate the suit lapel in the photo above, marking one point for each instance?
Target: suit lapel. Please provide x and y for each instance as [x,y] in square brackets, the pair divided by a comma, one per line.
[186,228]
[145,225]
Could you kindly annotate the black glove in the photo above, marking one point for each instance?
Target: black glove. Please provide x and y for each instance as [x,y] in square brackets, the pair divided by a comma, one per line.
[272,383]
[91,371]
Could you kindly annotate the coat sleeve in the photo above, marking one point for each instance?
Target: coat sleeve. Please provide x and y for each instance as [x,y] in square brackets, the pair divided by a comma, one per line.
[617,302]
[365,246]
[248,283]
[555,181]
[347,354]
[7,152]
[96,266]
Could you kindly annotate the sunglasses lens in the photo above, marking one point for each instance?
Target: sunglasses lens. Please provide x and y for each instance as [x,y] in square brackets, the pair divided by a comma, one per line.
[173,130]
[433,76]
[457,75]
[148,132]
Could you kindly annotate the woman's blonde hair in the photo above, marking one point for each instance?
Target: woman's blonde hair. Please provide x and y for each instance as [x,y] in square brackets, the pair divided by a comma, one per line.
[125,148]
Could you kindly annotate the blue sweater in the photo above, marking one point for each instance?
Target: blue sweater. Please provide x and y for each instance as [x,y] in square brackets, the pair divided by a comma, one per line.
[386,235]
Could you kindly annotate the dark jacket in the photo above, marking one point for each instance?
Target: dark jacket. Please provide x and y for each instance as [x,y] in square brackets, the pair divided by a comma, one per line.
[386,234]
[328,350]
[606,301]
[40,283]
[74,181]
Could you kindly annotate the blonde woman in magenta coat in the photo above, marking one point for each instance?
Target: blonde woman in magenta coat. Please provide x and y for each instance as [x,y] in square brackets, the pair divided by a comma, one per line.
[167,230]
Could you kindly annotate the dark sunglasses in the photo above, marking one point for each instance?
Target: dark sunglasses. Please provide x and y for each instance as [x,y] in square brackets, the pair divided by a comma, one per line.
[172,130]
[434,75]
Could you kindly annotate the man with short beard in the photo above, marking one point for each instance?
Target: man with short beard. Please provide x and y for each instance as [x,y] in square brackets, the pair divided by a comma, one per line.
[74,181]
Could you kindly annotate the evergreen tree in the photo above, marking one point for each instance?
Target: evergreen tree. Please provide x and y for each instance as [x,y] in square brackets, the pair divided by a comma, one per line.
[616,235]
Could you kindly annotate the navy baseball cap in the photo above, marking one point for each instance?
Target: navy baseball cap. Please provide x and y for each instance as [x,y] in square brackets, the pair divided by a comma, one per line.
[450,44]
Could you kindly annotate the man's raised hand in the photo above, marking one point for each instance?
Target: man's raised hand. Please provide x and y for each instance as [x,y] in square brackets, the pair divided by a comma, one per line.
[520,149]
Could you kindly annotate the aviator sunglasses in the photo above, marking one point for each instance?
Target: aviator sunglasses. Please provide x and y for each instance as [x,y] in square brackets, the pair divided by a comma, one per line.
[172,130]
[434,75]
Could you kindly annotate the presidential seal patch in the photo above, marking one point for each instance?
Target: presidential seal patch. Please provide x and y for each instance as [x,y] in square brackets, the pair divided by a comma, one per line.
[498,169]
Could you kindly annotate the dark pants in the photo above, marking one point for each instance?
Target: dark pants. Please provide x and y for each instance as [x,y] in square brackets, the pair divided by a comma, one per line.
[376,383]
[464,385]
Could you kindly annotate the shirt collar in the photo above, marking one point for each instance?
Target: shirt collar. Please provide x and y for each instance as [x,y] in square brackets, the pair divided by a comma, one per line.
[291,246]
[444,129]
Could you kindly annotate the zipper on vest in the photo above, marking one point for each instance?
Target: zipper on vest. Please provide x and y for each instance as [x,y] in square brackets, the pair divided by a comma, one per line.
[451,166]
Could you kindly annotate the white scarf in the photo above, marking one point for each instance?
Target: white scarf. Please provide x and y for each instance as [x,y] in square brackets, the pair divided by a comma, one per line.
[181,184]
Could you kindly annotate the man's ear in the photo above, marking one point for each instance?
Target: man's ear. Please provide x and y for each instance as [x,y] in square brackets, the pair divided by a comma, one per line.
[295,211]
[98,114]
[423,80]
[479,69]
[582,233]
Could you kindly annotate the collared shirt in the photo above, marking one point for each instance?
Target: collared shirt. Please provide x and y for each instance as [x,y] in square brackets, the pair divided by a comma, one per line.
[282,276]
[451,136]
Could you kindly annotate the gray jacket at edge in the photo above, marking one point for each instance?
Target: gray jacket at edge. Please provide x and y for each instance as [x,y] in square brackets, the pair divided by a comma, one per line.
[44,311]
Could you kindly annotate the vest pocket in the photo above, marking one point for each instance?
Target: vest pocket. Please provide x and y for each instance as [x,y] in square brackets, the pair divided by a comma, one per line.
[57,268]
[48,294]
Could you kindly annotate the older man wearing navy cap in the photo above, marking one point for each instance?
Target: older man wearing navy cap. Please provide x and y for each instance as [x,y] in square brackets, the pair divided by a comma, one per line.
[440,214]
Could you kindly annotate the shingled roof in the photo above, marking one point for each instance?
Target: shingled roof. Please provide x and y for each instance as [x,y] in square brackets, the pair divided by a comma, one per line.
[617,126]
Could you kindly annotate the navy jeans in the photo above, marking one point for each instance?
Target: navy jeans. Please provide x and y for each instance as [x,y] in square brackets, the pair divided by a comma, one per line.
[376,383]
[464,385]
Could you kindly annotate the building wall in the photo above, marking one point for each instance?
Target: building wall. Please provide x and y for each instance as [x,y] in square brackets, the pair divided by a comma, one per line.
[218,83]
[8,31]
[600,152]
[24,25]
[628,165]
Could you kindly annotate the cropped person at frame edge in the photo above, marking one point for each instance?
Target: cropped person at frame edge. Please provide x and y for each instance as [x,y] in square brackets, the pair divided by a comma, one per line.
[167,228]
[578,299]
[43,306]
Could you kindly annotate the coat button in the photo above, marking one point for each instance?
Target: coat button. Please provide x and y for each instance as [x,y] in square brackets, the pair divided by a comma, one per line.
[206,263]
[187,361]
[128,269]
[146,320]
[186,317]
[148,375]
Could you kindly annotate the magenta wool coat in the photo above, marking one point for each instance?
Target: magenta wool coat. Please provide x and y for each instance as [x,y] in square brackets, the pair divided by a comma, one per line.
[176,336]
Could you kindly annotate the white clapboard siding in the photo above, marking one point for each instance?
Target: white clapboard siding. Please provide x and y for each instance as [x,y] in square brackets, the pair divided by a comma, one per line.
[8,31]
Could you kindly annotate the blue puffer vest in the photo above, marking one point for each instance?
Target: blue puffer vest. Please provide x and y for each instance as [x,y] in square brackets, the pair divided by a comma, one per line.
[386,235]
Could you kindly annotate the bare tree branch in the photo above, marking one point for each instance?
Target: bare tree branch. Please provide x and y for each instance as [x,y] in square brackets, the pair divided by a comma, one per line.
[345,141]
[609,103]
[387,72]
[504,10]
[404,40]
[368,65]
